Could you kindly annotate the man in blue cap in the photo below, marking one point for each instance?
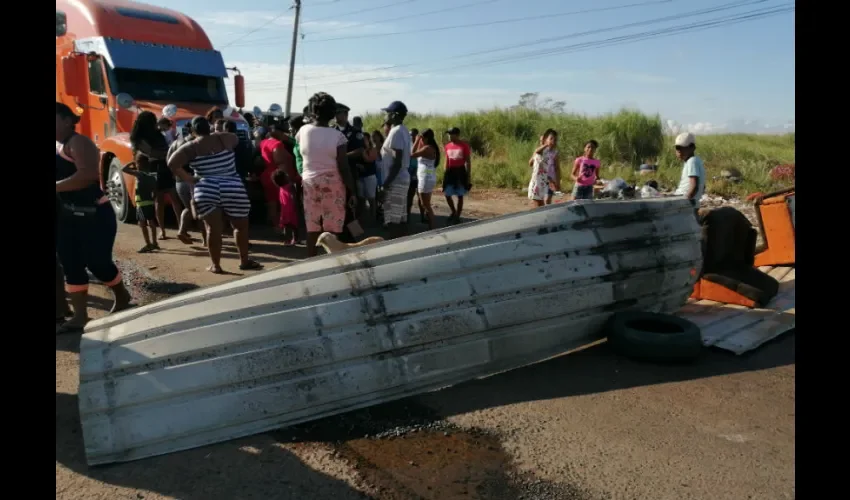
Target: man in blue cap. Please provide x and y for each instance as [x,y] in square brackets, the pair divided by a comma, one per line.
[395,158]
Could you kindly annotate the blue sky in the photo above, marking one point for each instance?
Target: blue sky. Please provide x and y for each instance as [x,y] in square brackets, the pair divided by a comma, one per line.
[731,78]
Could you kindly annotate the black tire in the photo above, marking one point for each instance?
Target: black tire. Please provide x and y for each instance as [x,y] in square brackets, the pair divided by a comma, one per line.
[116,190]
[654,337]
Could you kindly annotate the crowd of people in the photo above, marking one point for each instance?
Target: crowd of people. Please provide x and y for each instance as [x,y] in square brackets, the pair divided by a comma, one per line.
[317,172]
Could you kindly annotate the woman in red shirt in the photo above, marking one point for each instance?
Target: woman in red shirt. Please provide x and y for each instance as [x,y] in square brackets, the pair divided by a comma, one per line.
[280,203]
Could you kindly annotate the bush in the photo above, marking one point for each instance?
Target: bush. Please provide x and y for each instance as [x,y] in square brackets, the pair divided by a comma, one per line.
[502,141]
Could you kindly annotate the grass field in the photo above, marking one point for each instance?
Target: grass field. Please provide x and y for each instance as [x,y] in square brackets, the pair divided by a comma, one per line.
[503,140]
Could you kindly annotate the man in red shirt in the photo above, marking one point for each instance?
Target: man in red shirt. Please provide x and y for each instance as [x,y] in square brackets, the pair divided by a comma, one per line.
[457,180]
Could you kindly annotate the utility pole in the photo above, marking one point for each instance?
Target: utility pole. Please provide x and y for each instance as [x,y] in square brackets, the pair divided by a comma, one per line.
[292,57]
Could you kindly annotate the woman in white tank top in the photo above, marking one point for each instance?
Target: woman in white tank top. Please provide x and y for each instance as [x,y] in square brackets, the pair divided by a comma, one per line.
[427,154]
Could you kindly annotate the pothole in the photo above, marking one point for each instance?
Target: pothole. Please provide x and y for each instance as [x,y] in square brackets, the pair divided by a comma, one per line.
[404,451]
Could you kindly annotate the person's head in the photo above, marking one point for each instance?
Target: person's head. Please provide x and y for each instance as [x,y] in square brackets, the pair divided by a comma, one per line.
[590,148]
[295,123]
[219,125]
[200,126]
[230,126]
[214,114]
[685,145]
[357,122]
[378,138]
[414,133]
[341,114]
[322,108]
[454,134]
[145,129]
[278,129]
[279,178]
[249,118]
[396,112]
[430,139]
[367,141]
[163,124]
[550,138]
[66,121]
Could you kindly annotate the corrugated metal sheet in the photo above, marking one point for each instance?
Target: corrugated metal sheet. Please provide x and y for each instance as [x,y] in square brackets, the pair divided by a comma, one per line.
[386,321]
[740,329]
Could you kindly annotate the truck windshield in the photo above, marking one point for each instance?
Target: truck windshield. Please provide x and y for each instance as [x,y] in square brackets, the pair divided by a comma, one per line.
[167,86]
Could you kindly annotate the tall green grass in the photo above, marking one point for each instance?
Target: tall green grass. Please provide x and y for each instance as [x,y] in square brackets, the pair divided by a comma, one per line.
[502,141]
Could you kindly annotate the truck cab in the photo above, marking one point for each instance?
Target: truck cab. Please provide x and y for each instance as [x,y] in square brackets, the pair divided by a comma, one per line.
[116,58]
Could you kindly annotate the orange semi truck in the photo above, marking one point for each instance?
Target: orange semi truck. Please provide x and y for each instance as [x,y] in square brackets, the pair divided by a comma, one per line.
[115,58]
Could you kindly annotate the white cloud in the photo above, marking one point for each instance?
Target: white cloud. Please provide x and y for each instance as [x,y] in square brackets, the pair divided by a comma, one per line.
[732,126]
[266,84]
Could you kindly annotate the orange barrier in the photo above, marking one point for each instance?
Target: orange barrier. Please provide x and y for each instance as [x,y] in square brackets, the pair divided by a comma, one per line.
[775,214]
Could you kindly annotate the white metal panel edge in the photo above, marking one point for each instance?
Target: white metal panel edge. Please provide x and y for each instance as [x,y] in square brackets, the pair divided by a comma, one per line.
[347,330]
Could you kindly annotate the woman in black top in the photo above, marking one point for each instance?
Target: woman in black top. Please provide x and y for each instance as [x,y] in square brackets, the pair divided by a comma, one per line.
[149,141]
[85,225]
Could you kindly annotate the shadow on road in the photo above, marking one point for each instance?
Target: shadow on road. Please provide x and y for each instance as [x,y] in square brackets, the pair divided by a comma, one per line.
[256,467]
[597,370]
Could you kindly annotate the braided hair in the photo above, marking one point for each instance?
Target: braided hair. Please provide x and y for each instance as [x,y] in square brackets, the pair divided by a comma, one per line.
[322,107]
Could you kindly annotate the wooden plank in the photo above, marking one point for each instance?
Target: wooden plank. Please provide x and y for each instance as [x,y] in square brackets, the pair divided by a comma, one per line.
[765,269]
[720,330]
[751,338]
[778,273]
[710,315]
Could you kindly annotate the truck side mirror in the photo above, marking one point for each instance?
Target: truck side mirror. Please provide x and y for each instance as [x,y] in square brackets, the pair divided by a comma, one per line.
[61,24]
[239,89]
[74,75]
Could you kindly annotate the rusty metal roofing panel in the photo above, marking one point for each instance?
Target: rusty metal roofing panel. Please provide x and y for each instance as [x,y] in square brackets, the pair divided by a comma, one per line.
[368,325]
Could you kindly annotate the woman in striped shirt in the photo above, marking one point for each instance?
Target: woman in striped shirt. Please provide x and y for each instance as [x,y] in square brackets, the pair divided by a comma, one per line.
[219,192]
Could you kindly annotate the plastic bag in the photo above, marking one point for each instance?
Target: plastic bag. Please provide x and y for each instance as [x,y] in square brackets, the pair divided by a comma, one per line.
[615,186]
[649,192]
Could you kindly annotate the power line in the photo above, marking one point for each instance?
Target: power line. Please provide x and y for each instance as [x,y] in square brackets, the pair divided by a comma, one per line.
[396,3]
[539,41]
[258,28]
[268,40]
[696,26]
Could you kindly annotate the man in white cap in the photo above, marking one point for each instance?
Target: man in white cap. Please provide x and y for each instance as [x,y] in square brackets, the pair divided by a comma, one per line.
[692,183]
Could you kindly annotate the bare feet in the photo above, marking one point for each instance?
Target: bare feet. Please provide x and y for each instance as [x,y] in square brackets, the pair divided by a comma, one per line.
[184,238]
[215,269]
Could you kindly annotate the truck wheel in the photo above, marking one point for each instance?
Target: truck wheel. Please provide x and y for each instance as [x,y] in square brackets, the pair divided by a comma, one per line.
[654,337]
[117,193]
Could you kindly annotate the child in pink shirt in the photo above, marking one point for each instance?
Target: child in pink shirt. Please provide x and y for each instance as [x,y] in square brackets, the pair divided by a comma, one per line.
[585,172]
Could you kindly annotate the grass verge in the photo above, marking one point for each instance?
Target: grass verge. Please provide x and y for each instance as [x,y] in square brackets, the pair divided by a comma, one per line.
[503,139]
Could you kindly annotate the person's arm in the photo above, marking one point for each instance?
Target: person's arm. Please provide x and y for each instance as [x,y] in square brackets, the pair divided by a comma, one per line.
[370,155]
[422,152]
[467,158]
[557,163]
[576,168]
[397,145]
[285,162]
[86,157]
[357,152]
[152,152]
[180,159]
[342,167]
[131,169]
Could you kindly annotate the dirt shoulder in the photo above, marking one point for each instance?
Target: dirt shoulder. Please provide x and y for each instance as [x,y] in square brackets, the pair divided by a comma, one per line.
[585,426]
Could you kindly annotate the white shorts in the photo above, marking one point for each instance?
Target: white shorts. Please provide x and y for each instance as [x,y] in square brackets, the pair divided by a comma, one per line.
[367,187]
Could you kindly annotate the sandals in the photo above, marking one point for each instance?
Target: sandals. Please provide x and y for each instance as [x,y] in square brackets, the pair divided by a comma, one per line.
[185,239]
[250,265]
[148,248]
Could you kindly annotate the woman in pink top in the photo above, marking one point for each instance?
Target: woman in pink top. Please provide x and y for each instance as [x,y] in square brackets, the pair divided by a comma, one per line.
[585,172]
[326,174]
